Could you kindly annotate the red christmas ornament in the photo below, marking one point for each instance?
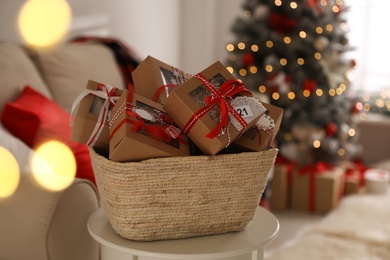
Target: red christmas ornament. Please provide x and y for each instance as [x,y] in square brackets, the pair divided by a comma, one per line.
[248,59]
[338,9]
[352,63]
[316,6]
[331,129]
[281,23]
[309,85]
[357,108]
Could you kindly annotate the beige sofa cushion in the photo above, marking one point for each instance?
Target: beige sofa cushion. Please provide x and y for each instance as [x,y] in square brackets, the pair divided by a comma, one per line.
[67,70]
[17,70]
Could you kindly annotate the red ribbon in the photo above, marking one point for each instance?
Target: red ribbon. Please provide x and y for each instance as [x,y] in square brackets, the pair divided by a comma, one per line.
[360,168]
[103,113]
[156,131]
[313,170]
[160,90]
[223,97]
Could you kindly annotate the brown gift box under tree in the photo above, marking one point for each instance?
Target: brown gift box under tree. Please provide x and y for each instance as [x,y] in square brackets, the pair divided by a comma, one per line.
[138,131]
[154,79]
[185,101]
[354,177]
[317,188]
[280,197]
[86,120]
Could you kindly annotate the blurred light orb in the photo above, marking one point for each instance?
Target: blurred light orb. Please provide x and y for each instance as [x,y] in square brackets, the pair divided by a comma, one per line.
[54,166]
[9,173]
[44,23]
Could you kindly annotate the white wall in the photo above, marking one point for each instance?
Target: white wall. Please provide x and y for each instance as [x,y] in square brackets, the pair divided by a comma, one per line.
[187,34]
[151,27]
[206,31]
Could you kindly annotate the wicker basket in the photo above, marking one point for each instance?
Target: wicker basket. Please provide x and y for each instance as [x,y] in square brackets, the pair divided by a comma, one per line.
[179,197]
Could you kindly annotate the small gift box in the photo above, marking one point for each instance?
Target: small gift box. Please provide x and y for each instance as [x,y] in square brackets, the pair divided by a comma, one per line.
[377,181]
[155,79]
[354,176]
[280,198]
[89,115]
[317,188]
[214,108]
[261,135]
[140,129]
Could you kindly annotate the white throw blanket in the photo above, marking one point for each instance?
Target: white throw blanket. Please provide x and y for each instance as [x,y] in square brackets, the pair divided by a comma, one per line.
[358,229]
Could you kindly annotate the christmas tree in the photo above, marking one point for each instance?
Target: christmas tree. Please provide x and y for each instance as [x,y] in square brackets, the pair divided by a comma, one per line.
[293,53]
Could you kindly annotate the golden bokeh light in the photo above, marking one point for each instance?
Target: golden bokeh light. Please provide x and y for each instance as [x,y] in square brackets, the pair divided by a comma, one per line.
[253,69]
[54,166]
[283,62]
[44,23]
[329,27]
[269,44]
[230,47]
[317,144]
[341,152]
[262,89]
[241,46]
[255,48]
[9,173]
[306,93]
[242,72]
[319,92]
[269,68]
[293,5]
[287,40]
[291,95]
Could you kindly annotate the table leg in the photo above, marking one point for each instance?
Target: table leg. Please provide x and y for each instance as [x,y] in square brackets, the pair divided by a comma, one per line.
[258,254]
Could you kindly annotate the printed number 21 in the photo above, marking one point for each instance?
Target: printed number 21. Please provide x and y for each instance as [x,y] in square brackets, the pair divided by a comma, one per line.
[242,111]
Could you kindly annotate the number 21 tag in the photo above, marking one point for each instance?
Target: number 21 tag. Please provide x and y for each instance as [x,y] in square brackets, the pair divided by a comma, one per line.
[244,111]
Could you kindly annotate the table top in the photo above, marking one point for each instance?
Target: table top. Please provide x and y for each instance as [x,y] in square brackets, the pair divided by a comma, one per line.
[261,230]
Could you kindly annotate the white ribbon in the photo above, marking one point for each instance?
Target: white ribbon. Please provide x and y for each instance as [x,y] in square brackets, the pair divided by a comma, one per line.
[105,93]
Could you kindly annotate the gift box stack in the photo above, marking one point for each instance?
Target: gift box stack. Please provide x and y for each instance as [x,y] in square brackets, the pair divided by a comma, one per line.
[316,187]
[172,113]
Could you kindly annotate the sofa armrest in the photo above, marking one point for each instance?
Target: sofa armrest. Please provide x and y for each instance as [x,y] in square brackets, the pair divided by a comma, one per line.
[39,224]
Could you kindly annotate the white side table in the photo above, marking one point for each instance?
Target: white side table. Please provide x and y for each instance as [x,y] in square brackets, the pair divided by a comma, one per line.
[244,245]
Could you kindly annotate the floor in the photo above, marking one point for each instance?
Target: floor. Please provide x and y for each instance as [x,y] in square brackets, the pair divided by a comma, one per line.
[291,223]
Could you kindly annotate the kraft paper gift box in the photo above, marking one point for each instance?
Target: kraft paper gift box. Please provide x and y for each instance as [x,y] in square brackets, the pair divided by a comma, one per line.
[140,129]
[261,135]
[280,197]
[354,177]
[155,79]
[317,188]
[196,107]
[90,115]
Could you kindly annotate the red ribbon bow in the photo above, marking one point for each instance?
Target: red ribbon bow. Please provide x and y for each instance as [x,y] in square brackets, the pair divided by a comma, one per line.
[223,97]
